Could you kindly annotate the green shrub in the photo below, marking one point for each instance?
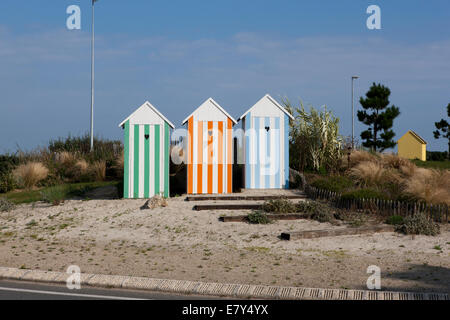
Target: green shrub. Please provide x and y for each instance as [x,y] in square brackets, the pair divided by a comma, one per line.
[315,210]
[6,205]
[419,224]
[8,163]
[437,155]
[306,206]
[103,149]
[363,194]
[322,216]
[395,220]
[258,217]
[333,183]
[7,182]
[442,165]
[353,218]
[279,206]
[54,195]
[315,140]
[51,180]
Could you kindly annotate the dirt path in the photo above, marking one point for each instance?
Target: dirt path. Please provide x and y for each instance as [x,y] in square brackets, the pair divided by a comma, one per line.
[117,237]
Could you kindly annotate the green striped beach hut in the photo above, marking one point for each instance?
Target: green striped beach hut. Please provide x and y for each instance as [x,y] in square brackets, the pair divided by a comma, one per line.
[146,153]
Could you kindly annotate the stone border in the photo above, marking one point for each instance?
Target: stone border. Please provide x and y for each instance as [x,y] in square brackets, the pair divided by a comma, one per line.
[249,198]
[310,234]
[243,291]
[271,216]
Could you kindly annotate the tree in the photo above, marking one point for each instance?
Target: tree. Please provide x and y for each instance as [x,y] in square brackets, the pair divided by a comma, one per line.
[443,129]
[380,121]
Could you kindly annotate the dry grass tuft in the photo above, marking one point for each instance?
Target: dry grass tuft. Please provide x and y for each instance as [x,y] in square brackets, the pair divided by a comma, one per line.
[155,202]
[82,166]
[98,170]
[357,157]
[66,158]
[78,171]
[29,174]
[390,160]
[430,185]
[119,165]
[369,173]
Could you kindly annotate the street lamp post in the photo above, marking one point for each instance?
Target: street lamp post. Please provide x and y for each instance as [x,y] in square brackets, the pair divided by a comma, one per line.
[353,114]
[92,78]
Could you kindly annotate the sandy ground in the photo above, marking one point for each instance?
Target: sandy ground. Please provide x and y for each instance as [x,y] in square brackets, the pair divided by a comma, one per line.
[117,237]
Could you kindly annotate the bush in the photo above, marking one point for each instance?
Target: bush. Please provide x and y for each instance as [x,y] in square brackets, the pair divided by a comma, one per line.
[7,182]
[368,173]
[395,220]
[118,166]
[363,194]
[29,174]
[390,160]
[306,206]
[51,180]
[437,155]
[333,184]
[315,210]
[322,215]
[279,206]
[6,205]
[298,182]
[81,170]
[53,195]
[258,217]
[419,224]
[8,163]
[315,140]
[98,170]
[430,185]
[358,156]
[353,218]
[65,164]
[103,149]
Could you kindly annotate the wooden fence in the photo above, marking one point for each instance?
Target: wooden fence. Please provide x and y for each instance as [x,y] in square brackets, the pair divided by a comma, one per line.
[439,213]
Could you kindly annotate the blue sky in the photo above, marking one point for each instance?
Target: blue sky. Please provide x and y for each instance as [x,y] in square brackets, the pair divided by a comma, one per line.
[178,53]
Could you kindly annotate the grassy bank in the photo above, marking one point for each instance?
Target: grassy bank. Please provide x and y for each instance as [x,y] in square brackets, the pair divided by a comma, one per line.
[387,177]
[442,165]
[64,191]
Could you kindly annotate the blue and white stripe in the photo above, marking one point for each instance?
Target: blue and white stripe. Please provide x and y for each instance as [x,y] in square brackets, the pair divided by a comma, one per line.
[266,152]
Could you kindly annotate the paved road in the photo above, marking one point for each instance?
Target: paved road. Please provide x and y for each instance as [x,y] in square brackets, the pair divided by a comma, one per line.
[21,290]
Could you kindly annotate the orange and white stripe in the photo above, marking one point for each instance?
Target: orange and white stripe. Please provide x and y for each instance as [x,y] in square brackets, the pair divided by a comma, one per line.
[209,156]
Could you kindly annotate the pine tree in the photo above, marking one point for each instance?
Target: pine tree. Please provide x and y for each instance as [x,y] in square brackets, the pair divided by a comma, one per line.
[443,129]
[380,120]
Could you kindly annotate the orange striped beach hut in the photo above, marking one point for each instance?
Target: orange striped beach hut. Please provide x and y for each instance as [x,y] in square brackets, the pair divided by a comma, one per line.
[209,149]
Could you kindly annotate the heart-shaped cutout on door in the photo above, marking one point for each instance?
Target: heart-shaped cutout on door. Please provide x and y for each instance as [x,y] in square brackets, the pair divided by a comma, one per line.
[147,136]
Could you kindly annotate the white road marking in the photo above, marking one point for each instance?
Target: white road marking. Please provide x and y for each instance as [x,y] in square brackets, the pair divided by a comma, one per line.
[68,294]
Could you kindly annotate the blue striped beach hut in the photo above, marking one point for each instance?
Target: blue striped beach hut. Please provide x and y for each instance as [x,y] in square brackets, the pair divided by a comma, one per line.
[146,153]
[266,145]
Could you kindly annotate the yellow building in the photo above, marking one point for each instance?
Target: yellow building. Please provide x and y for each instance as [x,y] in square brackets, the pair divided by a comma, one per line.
[412,146]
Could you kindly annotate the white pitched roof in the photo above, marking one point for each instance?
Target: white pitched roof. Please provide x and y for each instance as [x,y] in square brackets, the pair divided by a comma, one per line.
[272,100]
[214,103]
[148,105]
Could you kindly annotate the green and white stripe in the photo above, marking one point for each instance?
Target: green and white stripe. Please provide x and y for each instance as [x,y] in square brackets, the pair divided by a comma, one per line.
[146,165]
